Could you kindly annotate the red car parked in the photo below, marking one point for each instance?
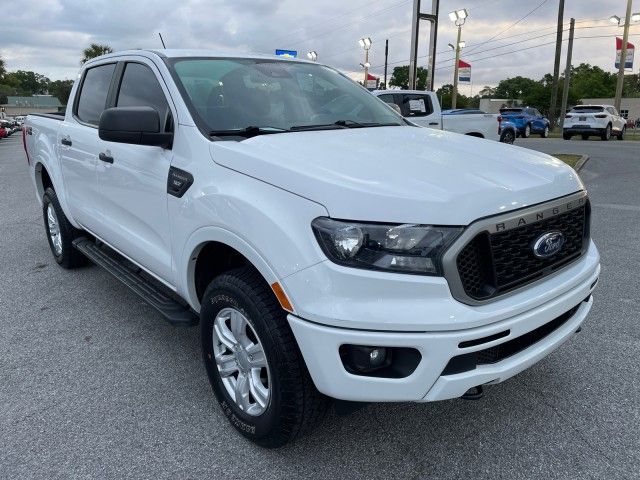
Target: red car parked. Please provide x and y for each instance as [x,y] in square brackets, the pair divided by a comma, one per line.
[3,132]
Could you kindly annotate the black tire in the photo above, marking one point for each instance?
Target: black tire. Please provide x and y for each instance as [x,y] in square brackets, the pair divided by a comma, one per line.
[622,132]
[545,132]
[585,136]
[526,133]
[508,136]
[606,134]
[295,406]
[566,136]
[68,257]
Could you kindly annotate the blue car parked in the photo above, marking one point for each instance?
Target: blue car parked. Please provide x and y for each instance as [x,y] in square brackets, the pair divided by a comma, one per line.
[527,120]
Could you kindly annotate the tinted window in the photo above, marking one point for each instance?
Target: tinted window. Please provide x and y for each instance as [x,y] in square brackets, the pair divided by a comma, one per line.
[93,96]
[387,98]
[587,109]
[415,105]
[511,111]
[140,88]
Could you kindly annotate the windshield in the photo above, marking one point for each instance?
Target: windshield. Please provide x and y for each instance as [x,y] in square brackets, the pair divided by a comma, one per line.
[271,96]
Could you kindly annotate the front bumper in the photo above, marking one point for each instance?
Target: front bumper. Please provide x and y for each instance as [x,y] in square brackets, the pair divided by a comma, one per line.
[319,342]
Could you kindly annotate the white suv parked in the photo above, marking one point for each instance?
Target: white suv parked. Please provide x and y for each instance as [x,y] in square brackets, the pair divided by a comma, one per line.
[587,120]
[326,247]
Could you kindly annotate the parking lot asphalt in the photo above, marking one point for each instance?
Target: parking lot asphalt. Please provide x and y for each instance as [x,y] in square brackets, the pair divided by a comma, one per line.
[94,384]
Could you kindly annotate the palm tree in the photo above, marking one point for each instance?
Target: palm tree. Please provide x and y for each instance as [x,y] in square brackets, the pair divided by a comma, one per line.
[94,50]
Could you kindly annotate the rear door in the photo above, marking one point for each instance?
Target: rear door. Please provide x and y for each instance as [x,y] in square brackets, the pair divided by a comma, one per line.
[417,108]
[79,145]
[133,182]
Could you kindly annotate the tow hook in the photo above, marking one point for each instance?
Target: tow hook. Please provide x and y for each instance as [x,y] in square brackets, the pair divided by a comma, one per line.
[474,393]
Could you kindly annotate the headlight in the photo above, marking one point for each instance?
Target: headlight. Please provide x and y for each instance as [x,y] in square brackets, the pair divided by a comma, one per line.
[400,248]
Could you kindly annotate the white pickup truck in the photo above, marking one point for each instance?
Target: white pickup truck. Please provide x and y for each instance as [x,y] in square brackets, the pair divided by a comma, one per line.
[423,109]
[327,248]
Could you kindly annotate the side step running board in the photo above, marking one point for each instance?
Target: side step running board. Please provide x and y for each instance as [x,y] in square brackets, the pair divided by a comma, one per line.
[176,313]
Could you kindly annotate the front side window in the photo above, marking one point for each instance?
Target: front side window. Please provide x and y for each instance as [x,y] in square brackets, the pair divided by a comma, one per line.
[140,88]
[229,94]
[93,96]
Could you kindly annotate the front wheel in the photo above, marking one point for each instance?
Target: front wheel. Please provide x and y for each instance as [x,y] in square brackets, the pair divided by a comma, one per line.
[622,132]
[566,136]
[545,132]
[527,131]
[60,232]
[255,368]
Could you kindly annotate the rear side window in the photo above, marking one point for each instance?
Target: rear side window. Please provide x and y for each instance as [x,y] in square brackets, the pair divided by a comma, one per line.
[588,109]
[93,96]
[140,88]
[511,111]
[416,105]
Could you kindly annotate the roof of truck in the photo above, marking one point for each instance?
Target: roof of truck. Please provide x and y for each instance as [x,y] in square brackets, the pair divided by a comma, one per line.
[180,53]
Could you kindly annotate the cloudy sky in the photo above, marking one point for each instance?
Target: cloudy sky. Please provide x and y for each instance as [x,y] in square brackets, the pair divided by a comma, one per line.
[48,36]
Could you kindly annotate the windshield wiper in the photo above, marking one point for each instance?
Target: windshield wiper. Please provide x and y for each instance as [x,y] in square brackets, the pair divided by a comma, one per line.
[343,124]
[250,131]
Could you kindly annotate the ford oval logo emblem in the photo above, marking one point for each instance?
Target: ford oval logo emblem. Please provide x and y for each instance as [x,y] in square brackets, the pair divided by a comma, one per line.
[548,244]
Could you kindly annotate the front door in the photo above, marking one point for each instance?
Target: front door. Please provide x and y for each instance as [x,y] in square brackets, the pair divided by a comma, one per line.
[133,179]
[417,108]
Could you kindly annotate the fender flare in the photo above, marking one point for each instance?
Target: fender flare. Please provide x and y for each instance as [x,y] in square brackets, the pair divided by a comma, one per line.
[187,260]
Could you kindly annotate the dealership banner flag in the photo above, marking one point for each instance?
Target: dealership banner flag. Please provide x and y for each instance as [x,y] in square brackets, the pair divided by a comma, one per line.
[464,71]
[628,63]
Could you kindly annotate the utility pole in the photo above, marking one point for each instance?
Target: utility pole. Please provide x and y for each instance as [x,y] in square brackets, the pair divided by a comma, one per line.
[415,31]
[567,74]
[623,57]
[556,65]
[386,62]
[454,95]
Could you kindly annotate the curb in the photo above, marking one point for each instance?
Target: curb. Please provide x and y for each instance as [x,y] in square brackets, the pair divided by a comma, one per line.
[581,163]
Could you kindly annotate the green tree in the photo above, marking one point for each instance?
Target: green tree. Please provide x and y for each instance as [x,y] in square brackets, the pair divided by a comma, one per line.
[26,82]
[3,69]
[94,50]
[589,81]
[61,89]
[400,78]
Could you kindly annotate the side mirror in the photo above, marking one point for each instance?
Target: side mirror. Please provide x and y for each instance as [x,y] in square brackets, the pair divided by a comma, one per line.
[135,125]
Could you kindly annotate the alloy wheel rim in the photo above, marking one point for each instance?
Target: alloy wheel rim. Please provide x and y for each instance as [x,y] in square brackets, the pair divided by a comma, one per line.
[54,230]
[241,361]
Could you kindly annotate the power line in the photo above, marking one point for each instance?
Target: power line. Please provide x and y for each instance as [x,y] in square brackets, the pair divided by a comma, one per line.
[513,24]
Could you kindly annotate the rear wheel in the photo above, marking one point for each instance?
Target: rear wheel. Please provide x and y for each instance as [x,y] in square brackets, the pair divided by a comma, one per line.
[508,136]
[527,131]
[566,136]
[60,232]
[585,136]
[606,134]
[256,370]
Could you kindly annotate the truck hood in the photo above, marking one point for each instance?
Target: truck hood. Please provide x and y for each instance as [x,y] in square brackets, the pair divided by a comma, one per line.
[401,174]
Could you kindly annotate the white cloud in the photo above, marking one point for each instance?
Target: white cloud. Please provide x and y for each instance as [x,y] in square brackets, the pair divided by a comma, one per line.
[49,35]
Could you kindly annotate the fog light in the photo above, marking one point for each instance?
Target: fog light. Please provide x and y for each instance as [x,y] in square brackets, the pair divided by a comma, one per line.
[377,356]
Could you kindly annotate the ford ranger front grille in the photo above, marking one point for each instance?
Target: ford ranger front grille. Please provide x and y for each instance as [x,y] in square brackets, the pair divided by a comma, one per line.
[499,256]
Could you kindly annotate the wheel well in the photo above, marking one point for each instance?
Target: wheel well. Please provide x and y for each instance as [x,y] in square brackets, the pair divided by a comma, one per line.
[475,134]
[213,259]
[43,180]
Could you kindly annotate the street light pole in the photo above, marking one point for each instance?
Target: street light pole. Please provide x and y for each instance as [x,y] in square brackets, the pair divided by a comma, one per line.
[567,75]
[623,57]
[454,96]
[366,44]
[458,17]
